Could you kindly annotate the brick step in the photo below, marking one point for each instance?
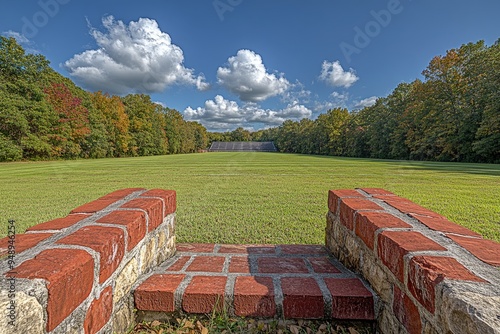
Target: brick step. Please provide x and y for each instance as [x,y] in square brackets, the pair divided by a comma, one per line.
[290,281]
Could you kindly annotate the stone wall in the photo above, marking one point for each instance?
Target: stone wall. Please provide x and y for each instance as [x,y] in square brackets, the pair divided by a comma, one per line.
[431,275]
[74,274]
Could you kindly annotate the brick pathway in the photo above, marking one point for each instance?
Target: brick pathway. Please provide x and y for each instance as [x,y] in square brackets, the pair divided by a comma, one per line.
[291,281]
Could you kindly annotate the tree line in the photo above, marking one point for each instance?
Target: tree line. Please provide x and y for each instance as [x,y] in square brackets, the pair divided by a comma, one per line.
[44,115]
[451,115]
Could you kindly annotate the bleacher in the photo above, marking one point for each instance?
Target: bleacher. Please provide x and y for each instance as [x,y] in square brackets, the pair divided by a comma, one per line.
[242,146]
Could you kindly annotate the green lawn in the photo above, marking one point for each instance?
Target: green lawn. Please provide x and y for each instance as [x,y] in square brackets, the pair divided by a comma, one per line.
[250,197]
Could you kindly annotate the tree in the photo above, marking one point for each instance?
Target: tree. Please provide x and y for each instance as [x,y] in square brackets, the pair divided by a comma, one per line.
[72,127]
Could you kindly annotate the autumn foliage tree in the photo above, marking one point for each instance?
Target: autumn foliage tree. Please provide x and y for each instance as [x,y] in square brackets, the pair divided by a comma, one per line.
[72,126]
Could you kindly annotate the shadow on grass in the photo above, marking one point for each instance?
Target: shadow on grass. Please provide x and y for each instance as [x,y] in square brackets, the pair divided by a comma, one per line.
[448,167]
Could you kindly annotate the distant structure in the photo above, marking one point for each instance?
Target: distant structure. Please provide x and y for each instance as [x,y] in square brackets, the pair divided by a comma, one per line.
[242,146]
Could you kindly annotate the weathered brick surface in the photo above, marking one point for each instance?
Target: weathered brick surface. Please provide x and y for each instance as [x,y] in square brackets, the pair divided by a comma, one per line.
[445,289]
[59,223]
[99,312]
[334,197]
[204,294]
[350,299]
[70,276]
[377,191]
[179,264]
[349,206]
[134,221]
[425,272]
[367,223]
[105,201]
[302,298]
[444,225]
[196,248]
[254,296]
[168,197]
[211,264]
[152,206]
[323,265]
[408,207]
[487,251]
[56,277]
[281,265]
[247,249]
[22,242]
[240,264]
[303,249]
[394,245]
[157,293]
[406,312]
[121,193]
[108,241]
[94,206]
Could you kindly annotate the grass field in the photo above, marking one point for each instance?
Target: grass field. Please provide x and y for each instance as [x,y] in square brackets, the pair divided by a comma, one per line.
[250,197]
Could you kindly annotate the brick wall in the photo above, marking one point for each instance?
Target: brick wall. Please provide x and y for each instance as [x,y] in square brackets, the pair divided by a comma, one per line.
[431,275]
[74,274]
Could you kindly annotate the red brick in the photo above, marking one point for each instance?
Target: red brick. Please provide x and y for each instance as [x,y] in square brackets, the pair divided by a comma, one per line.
[213,264]
[367,223]
[179,264]
[104,201]
[406,312]
[444,225]
[134,221]
[279,265]
[323,265]
[168,197]
[157,293]
[425,272]
[152,206]
[94,206]
[487,251]
[349,206]
[122,193]
[247,249]
[304,249]
[109,242]
[254,297]
[239,264]
[70,276]
[408,207]
[394,245]
[195,248]
[377,191]
[302,298]
[335,195]
[99,312]
[350,299]
[22,242]
[204,294]
[59,223]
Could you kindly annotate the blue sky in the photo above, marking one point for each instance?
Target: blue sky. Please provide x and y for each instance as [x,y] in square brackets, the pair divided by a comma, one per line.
[249,63]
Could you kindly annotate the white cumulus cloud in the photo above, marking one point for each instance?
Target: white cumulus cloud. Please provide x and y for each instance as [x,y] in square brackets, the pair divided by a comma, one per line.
[368,102]
[137,58]
[333,74]
[223,114]
[247,77]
